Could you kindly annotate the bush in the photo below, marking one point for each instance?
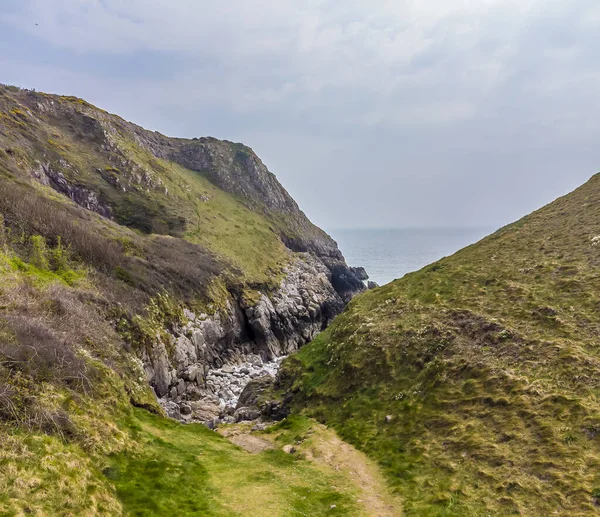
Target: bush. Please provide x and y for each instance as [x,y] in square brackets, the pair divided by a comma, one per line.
[22,408]
[30,214]
[38,353]
[38,255]
[59,256]
[58,232]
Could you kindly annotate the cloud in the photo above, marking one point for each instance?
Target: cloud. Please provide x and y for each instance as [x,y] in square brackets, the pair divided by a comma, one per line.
[393,86]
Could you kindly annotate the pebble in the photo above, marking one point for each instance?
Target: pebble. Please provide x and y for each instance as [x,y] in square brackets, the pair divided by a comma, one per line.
[229,381]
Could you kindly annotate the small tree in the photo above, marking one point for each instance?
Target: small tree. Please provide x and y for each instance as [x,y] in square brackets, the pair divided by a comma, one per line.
[39,252]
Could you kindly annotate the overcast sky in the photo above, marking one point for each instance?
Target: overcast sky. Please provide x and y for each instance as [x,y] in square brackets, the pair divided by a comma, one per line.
[372,113]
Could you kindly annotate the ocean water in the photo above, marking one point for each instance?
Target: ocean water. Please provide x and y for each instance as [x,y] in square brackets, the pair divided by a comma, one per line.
[391,253]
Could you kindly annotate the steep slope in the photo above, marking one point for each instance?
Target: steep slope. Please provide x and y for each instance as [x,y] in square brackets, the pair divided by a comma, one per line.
[475,381]
[130,265]
[202,221]
[144,180]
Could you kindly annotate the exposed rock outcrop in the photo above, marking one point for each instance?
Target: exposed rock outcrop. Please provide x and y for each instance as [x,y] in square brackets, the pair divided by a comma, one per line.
[182,370]
[360,273]
[84,197]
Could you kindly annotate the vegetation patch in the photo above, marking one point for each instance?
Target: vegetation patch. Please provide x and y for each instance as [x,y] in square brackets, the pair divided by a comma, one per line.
[189,470]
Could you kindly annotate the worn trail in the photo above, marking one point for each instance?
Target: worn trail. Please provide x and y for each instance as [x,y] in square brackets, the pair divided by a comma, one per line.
[324,448]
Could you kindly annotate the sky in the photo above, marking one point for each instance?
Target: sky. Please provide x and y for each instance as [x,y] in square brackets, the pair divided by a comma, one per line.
[372,113]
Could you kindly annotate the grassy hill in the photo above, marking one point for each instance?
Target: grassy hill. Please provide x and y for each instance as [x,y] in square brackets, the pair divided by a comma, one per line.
[107,232]
[475,381]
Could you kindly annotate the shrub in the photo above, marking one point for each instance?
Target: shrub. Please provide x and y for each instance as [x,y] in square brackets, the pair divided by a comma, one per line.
[38,353]
[38,255]
[58,232]
[19,406]
[59,256]
[30,214]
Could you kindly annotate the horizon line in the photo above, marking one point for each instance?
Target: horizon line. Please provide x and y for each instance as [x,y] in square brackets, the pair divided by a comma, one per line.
[432,227]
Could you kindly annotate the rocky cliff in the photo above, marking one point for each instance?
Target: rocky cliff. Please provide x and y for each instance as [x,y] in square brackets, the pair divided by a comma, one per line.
[278,324]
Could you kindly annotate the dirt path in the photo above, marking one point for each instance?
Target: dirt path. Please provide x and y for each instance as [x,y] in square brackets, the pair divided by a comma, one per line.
[326,448]
[323,447]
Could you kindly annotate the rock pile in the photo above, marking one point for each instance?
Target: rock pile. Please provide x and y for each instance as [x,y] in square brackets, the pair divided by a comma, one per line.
[228,382]
[223,400]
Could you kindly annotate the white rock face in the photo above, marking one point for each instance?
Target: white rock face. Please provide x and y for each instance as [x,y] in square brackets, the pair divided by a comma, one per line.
[218,401]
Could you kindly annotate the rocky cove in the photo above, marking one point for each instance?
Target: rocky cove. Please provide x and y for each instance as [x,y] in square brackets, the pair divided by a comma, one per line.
[212,367]
[230,395]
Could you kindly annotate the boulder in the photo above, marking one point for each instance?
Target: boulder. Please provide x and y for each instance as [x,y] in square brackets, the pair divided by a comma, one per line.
[246,414]
[171,409]
[204,411]
[250,396]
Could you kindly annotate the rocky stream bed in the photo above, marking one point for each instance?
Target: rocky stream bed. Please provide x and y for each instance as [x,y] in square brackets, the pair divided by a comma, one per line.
[230,393]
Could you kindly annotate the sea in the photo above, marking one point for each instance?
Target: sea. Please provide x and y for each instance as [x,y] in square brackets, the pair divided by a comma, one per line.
[388,254]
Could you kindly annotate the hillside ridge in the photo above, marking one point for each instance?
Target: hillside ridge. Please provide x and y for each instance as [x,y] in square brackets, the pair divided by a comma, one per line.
[474,381]
[133,267]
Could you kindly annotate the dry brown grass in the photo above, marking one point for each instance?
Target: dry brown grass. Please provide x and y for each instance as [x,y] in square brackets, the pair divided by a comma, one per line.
[47,337]
[27,213]
[157,263]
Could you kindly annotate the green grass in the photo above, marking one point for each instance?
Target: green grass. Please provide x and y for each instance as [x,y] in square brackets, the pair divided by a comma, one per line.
[487,361]
[157,467]
[80,293]
[291,430]
[189,470]
[41,475]
[43,276]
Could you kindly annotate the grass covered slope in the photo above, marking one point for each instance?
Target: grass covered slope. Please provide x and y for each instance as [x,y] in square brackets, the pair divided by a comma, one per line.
[73,442]
[122,171]
[486,365]
[188,470]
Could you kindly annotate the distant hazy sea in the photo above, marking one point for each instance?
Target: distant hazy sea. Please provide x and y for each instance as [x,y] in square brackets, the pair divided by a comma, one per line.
[391,253]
